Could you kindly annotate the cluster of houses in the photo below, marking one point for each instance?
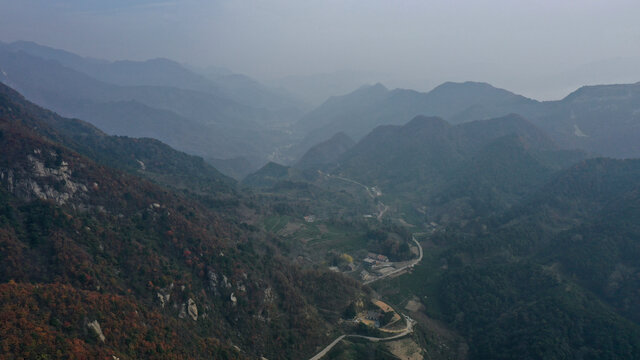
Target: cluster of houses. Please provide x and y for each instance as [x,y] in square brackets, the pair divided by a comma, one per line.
[373,259]
[375,265]
[375,316]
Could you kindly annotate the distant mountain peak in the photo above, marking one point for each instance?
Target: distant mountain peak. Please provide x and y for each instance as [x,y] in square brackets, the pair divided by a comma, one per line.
[377,88]
[378,85]
[424,122]
[326,152]
[606,90]
[473,86]
[160,61]
[341,136]
[49,53]
[478,84]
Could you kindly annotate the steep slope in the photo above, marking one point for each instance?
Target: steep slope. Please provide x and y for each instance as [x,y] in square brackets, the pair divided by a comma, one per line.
[481,132]
[602,119]
[583,220]
[146,157]
[269,175]
[456,171]
[361,111]
[325,153]
[161,274]
[391,156]
[603,253]
[248,91]
[554,276]
[337,106]
[451,100]
[315,89]
[497,177]
[579,194]
[425,148]
[236,168]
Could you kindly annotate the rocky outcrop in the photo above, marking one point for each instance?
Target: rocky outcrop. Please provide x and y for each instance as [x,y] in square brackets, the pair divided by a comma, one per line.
[95,326]
[192,309]
[164,299]
[269,296]
[38,180]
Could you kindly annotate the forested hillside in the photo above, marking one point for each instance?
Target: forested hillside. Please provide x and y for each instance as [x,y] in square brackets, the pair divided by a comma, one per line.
[161,273]
[554,277]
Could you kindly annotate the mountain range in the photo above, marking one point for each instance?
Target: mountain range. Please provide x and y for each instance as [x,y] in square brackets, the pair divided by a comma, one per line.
[431,161]
[532,248]
[126,248]
[239,124]
[121,246]
[598,119]
[156,98]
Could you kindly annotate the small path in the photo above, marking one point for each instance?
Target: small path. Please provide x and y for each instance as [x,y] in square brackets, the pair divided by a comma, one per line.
[410,322]
[368,189]
[408,330]
[329,347]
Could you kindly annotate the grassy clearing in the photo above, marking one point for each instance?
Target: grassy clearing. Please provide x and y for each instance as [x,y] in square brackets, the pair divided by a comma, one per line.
[276,223]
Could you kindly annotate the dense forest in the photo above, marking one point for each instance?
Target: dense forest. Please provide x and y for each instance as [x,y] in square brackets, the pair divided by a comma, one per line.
[189,266]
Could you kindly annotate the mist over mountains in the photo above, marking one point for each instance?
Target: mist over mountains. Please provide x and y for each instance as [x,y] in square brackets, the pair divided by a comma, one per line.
[190,112]
[153,209]
[361,111]
[230,116]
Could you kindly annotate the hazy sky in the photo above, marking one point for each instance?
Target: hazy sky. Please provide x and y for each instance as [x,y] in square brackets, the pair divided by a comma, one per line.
[537,48]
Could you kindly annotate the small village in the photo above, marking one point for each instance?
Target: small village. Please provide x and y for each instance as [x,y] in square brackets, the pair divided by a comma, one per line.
[380,316]
[375,265]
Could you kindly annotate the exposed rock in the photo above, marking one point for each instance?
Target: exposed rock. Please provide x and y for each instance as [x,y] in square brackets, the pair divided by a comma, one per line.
[213,282]
[8,174]
[269,296]
[213,278]
[192,309]
[233,298]
[183,311]
[95,326]
[164,298]
[37,181]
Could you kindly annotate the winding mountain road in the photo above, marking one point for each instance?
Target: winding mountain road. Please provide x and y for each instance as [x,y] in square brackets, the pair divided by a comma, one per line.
[368,189]
[400,269]
[410,322]
[408,330]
